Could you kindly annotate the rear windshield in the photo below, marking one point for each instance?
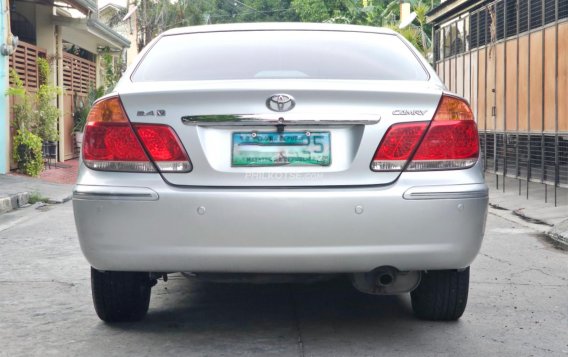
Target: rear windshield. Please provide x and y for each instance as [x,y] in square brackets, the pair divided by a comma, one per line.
[279,54]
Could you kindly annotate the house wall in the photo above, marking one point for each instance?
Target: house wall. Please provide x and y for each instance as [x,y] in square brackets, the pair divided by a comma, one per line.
[512,67]
[80,38]
[127,28]
[25,9]
[4,113]
[523,62]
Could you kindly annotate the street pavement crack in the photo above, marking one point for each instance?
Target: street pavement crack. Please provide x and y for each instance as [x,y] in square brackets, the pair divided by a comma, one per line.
[540,271]
[532,220]
[296,315]
[495,259]
[519,284]
[36,282]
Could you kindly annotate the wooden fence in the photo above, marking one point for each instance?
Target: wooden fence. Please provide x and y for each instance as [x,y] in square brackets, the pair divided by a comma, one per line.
[24,61]
[78,74]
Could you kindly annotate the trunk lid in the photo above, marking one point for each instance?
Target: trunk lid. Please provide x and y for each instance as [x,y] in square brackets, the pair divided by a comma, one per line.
[356,114]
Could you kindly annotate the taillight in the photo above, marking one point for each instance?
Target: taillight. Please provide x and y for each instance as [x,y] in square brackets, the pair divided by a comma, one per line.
[110,143]
[451,141]
[164,147]
[397,145]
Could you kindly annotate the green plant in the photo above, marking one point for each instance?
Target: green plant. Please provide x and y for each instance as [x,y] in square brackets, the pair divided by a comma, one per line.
[24,118]
[37,197]
[113,69]
[80,115]
[83,107]
[28,153]
[47,112]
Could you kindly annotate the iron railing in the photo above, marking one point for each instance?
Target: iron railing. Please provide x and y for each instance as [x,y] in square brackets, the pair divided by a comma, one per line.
[485,55]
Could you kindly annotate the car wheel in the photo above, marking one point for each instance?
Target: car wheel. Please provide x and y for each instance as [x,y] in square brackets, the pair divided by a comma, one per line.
[120,296]
[441,295]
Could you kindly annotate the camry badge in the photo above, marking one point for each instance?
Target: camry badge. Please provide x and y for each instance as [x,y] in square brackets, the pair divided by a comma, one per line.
[409,112]
[142,113]
[280,102]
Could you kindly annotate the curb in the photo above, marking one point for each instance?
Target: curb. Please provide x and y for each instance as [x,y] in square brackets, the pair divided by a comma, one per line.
[14,201]
[550,231]
[21,200]
[63,200]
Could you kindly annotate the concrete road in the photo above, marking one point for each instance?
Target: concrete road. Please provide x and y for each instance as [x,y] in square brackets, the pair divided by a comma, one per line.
[518,306]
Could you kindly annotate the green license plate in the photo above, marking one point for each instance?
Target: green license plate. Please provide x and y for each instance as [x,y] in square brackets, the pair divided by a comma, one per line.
[296,148]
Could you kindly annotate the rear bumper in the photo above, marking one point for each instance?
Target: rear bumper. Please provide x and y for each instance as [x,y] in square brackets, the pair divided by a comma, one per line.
[167,229]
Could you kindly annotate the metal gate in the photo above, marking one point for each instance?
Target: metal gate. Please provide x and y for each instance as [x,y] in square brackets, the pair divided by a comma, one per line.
[79,75]
[510,59]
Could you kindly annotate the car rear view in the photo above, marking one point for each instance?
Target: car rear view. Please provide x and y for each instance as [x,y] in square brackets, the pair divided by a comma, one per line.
[281,150]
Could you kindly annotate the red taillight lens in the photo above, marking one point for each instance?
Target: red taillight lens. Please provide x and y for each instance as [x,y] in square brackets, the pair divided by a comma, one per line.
[398,144]
[110,143]
[164,147]
[451,141]
[447,145]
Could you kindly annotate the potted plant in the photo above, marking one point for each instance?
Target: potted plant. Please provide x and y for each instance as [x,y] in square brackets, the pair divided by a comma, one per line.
[46,111]
[28,153]
[27,146]
[79,121]
[81,113]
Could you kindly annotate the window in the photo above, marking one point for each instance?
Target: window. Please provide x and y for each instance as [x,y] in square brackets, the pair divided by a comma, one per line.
[473,29]
[549,11]
[523,15]
[279,55]
[511,14]
[500,15]
[536,13]
[484,30]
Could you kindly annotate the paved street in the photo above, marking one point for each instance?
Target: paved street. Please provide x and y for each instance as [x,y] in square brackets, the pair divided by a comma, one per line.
[518,306]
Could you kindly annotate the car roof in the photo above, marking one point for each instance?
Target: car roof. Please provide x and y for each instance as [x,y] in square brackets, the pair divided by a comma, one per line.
[274,26]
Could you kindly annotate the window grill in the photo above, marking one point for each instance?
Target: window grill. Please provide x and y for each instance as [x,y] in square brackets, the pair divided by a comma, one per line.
[535,157]
[536,13]
[500,16]
[511,14]
[473,30]
[523,16]
[535,162]
[484,28]
[549,159]
[511,152]
[500,147]
[562,9]
[549,11]
[436,46]
[562,147]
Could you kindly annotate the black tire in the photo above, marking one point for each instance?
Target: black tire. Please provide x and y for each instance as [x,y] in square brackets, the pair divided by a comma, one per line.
[441,295]
[120,296]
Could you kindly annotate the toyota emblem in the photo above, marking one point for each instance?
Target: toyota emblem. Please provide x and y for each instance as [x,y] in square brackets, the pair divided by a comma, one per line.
[280,102]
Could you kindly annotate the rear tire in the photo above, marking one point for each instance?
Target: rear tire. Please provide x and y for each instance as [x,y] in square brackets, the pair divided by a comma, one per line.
[120,296]
[441,295]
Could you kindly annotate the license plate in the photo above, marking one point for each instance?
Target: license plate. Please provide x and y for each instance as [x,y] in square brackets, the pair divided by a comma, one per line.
[300,148]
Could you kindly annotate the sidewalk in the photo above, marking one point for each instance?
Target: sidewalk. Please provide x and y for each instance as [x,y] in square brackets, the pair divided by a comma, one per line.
[537,212]
[56,184]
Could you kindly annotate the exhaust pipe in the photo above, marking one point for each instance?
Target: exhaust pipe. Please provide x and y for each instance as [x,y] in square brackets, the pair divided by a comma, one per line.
[384,276]
[386,280]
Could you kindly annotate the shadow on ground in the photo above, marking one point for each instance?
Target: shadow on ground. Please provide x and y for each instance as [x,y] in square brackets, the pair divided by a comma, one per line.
[194,306]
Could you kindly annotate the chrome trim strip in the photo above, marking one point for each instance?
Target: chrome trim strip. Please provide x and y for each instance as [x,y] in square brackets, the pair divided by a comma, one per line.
[446,192]
[86,192]
[271,119]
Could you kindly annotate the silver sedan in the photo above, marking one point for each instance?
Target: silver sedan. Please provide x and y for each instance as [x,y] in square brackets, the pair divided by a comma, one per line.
[281,152]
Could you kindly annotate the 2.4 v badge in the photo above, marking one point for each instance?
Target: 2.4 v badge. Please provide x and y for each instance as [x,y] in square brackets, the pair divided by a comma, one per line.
[280,102]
